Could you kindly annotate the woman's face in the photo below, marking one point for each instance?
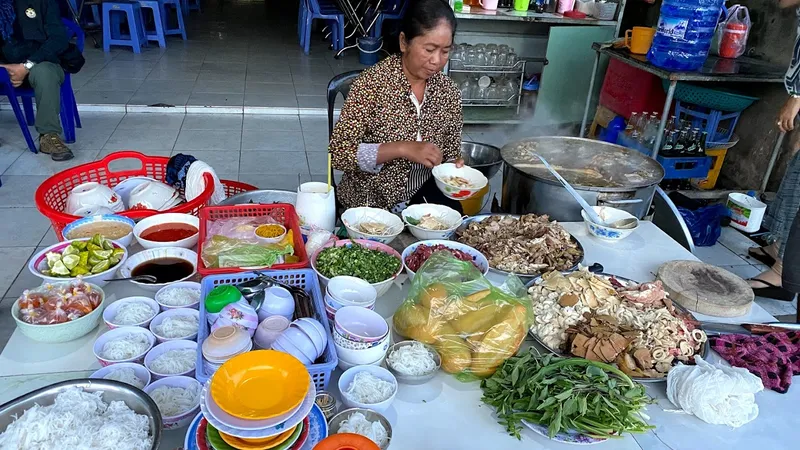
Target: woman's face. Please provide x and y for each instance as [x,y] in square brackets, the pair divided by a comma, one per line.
[427,53]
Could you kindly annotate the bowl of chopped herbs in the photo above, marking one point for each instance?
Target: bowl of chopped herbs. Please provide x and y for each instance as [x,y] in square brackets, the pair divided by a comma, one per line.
[376,263]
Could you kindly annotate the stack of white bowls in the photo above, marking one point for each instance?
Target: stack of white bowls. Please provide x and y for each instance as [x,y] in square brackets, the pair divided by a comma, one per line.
[305,339]
[348,291]
[223,344]
[361,337]
[154,195]
[93,198]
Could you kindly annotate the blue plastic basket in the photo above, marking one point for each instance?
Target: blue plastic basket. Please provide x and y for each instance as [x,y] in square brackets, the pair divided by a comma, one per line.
[303,278]
[675,168]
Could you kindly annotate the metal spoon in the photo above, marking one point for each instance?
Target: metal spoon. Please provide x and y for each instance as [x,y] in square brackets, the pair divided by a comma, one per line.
[150,279]
[623,224]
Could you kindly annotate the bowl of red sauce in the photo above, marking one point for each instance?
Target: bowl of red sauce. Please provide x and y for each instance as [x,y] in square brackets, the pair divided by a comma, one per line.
[168,230]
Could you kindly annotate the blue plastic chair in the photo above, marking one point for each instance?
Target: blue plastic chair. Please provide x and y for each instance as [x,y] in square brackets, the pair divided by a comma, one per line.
[181,30]
[394,10]
[332,14]
[190,5]
[157,33]
[69,108]
[111,25]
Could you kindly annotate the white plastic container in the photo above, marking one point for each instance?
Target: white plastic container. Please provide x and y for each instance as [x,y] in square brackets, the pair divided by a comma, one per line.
[316,206]
[746,212]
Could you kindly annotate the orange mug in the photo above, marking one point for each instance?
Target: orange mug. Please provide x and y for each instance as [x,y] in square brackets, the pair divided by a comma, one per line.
[638,39]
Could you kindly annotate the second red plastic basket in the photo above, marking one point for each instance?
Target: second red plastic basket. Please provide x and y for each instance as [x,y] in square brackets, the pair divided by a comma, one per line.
[283,213]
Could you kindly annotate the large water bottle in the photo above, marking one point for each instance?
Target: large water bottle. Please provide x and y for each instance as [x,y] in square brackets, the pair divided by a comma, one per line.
[683,37]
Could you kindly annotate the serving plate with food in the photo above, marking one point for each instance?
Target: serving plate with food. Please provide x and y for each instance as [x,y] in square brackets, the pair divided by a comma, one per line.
[611,319]
[527,245]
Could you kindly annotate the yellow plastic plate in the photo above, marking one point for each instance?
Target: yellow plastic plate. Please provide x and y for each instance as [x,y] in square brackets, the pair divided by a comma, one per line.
[259,444]
[260,384]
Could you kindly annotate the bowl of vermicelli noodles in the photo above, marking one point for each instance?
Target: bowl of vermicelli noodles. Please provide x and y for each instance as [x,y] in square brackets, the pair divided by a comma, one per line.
[372,224]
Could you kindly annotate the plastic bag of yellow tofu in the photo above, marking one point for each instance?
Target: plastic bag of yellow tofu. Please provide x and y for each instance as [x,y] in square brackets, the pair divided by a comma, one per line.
[474,325]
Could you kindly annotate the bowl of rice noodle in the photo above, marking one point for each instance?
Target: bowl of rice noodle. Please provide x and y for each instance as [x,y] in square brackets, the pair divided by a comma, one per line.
[173,358]
[130,312]
[372,224]
[134,374]
[431,221]
[173,324]
[366,422]
[123,344]
[177,398]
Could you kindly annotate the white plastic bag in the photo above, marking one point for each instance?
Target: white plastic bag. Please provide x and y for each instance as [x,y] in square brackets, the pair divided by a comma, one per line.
[719,395]
[733,41]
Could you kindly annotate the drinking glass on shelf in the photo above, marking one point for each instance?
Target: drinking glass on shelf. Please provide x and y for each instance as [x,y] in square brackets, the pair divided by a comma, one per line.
[492,92]
[481,47]
[480,58]
[456,58]
[491,59]
[470,57]
[501,59]
[504,92]
[503,48]
[491,47]
[511,59]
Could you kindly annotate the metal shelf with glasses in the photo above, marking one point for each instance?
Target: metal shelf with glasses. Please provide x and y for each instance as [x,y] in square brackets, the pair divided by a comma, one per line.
[504,91]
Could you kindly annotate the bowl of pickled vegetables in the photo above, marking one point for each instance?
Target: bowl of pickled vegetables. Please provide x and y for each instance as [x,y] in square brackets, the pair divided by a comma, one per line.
[95,260]
[59,312]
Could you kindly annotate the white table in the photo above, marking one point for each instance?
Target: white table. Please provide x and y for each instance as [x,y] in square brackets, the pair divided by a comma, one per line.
[446,414]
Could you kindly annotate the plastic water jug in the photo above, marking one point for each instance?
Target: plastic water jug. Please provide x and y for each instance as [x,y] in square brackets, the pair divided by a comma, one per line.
[316,206]
[684,33]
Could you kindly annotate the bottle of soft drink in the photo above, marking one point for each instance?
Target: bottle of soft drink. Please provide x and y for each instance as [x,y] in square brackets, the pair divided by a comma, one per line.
[701,147]
[668,148]
[633,123]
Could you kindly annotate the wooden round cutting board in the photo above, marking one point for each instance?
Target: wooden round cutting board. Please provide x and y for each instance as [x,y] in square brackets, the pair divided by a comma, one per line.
[706,289]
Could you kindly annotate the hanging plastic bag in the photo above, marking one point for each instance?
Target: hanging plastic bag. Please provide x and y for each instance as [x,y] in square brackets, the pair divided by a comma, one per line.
[723,17]
[734,34]
[474,325]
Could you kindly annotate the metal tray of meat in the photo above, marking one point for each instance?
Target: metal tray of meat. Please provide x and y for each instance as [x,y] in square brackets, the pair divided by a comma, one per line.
[526,278]
[704,349]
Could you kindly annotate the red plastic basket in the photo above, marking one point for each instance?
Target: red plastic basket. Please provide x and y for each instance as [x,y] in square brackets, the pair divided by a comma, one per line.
[51,196]
[283,213]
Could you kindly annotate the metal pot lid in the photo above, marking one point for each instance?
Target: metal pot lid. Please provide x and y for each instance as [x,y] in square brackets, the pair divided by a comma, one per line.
[583,162]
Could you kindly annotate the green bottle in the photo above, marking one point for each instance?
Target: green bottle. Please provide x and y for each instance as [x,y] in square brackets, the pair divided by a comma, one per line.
[458,6]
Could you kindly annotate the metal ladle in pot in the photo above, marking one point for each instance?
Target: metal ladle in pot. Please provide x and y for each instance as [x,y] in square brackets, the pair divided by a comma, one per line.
[593,216]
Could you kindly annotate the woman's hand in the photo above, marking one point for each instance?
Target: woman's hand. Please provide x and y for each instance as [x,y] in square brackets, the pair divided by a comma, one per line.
[423,153]
[459,162]
[788,113]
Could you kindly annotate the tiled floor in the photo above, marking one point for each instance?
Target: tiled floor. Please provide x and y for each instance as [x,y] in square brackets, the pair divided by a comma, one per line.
[240,53]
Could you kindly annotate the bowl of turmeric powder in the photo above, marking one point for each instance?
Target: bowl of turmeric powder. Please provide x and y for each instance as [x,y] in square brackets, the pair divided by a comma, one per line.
[270,233]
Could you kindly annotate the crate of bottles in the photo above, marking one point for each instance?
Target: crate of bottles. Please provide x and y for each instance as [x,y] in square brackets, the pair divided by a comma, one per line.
[718,124]
[675,167]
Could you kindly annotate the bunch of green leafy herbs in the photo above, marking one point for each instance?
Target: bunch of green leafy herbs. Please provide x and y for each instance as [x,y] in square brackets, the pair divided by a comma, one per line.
[589,397]
[355,260]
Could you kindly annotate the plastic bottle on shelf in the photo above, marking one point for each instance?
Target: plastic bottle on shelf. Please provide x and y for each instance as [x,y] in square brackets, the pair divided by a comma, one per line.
[684,33]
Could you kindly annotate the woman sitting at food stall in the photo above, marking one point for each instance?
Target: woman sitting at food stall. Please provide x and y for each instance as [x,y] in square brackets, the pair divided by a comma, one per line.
[401,118]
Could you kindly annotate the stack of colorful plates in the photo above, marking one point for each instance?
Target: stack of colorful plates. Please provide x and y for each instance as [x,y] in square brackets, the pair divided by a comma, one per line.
[259,400]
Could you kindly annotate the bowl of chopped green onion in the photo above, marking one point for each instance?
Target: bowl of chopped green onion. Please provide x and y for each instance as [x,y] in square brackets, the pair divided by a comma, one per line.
[376,263]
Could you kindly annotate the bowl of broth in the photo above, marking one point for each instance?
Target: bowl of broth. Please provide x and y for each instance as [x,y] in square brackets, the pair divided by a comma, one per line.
[168,230]
[167,264]
[110,226]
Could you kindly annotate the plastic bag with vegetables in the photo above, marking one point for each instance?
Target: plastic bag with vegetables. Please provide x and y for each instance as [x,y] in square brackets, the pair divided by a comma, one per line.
[474,325]
[220,252]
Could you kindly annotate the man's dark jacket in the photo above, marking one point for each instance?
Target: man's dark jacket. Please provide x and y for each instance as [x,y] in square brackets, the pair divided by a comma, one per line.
[38,38]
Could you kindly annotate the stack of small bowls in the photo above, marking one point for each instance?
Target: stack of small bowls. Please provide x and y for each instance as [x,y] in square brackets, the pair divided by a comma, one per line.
[348,291]
[361,337]
[306,340]
[223,344]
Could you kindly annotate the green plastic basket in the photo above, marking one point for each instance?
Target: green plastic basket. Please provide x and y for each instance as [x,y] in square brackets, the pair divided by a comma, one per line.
[710,98]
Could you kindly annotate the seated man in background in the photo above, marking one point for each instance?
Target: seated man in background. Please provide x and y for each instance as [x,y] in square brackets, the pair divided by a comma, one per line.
[32,42]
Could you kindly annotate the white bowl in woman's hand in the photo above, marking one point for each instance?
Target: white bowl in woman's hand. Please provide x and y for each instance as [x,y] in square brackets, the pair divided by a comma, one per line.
[458,183]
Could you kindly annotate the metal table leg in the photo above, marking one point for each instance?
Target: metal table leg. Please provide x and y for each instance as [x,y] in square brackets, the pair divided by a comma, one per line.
[589,95]
[664,117]
[772,160]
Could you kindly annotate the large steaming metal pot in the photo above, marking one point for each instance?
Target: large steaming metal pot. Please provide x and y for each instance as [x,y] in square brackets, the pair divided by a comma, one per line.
[604,174]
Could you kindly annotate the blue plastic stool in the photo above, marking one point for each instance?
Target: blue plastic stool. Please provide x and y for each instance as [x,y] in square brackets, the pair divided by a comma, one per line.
[111,25]
[190,5]
[181,30]
[157,33]
[394,10]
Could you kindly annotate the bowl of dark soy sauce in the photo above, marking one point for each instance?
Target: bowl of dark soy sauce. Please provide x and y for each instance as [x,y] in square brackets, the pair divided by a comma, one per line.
[167,264]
